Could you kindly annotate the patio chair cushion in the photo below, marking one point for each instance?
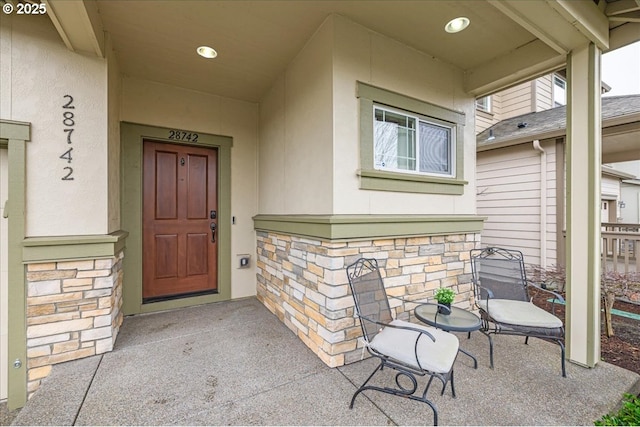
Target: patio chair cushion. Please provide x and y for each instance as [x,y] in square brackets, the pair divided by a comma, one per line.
[522,313]
[400,344]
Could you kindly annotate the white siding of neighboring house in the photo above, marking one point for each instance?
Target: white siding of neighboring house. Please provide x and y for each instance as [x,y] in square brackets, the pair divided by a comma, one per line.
[522,99]
[516,101]
[630,194]
[508,182]
[632,167]
[610,191]
[544,93]
[484,120]
[610,188]
[496,107]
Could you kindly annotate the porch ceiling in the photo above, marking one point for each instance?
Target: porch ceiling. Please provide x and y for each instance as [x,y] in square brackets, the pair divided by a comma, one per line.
[507,42]
[621,143]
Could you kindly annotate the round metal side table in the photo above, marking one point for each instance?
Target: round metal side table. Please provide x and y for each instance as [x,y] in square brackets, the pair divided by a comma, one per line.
[458,320]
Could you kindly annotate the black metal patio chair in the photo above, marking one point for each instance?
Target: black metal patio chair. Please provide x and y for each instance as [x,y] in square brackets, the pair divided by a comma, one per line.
[502,295]
[409,349]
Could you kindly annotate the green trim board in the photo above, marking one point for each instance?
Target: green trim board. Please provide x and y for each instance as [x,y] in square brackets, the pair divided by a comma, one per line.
[409,183]
[372,179]
[361,227]
[131,138]
[16,135]
[10,129]
[398,100]
[44,249]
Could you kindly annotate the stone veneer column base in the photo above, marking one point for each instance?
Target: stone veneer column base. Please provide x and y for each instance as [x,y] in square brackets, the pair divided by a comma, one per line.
[73,311]
[303,281]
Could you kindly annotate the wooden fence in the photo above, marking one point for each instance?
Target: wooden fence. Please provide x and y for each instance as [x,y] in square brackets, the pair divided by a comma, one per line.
[620,247]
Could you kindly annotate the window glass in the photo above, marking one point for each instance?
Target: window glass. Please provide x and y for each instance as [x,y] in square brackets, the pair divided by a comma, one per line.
[394,141]
[435,149]
[484,104]
[403,142]
[559,91]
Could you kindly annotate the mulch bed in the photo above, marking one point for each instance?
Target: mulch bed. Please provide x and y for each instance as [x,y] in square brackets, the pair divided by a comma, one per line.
[622,349]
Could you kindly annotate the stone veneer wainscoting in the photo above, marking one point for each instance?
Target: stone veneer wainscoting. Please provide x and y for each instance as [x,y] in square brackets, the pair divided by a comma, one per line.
[73,311]
[303,281]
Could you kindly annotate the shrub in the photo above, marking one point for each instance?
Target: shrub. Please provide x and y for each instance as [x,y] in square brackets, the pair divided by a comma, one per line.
[613,285]
[628,415]
[444,295]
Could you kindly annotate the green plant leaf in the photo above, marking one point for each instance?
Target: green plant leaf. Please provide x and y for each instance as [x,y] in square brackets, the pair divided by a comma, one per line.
[444,295]
[628,415]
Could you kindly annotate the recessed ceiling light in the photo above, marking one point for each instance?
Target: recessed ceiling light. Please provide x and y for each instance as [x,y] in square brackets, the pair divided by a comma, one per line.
[456,25]
[207,52]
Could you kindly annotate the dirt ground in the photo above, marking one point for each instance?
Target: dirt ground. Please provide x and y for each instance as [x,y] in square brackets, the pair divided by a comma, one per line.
[622,349]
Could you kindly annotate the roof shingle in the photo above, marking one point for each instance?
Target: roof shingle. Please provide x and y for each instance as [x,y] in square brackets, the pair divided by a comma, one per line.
[548,121]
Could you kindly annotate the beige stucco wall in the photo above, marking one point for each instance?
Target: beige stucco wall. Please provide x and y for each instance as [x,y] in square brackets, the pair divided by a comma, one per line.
[363,55]
[296,132]
[5,65]
[156,104]
[114,87]
[37,71]
[309,124]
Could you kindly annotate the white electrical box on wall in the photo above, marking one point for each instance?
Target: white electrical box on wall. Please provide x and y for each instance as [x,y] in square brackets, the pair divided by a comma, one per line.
[244,261]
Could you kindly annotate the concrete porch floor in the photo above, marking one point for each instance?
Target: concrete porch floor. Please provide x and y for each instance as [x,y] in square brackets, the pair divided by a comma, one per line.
[234,363]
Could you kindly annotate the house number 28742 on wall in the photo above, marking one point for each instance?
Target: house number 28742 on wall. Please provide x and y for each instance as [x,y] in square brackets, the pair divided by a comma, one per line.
[68,123]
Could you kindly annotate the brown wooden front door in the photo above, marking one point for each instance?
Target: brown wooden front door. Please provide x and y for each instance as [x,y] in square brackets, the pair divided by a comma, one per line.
[180,251]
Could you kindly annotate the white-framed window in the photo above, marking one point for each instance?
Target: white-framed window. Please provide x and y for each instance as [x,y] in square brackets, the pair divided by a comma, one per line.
[559,91]
[405,142]
[484,104]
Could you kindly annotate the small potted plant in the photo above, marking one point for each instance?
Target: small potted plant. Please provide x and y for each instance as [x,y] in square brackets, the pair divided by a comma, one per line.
[444,296]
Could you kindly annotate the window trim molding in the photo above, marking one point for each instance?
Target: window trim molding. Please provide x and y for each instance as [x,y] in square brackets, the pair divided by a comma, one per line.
[373,179]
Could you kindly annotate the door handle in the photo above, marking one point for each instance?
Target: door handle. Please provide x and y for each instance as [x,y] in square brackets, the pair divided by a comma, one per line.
[213,232]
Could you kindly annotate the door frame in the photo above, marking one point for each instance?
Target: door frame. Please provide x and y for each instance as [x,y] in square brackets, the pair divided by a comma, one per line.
[131,146]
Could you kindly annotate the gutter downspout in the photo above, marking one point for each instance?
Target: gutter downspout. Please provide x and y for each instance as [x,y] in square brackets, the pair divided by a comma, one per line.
[543,203]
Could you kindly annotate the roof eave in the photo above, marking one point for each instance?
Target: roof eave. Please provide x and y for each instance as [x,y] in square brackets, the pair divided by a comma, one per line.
[557,133]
